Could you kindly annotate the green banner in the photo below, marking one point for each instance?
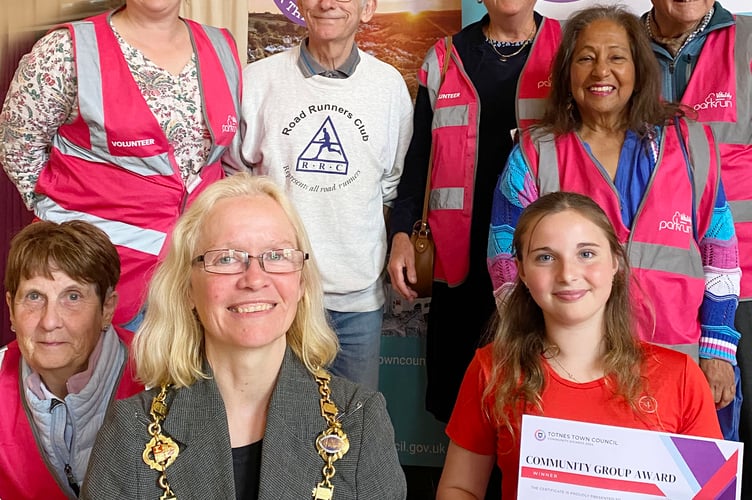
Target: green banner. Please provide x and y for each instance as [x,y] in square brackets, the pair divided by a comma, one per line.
[419,438]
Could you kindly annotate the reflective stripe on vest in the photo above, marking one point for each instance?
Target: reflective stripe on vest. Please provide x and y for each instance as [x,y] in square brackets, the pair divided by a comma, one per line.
[451,116]
[691,350]
[699,153]
[687,262]
[548,178]
[155,165]
[143,240]
[683,261]
[534,83]
[231,70]
[432,79]
[531,109]
[741,210]
[446,199]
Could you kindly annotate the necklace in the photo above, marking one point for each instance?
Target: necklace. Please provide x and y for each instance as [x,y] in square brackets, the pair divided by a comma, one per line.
[522,44]
[569,374]
[677,43]
[552,352]
[503,44]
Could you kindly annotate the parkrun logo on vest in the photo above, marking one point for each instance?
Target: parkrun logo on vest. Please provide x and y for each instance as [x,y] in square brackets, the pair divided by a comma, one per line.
[545,83]
[679,222]
[132,144]
[231,126]
[715,100]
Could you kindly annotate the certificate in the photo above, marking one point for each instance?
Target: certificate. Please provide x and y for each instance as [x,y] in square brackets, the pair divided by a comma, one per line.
[578,460]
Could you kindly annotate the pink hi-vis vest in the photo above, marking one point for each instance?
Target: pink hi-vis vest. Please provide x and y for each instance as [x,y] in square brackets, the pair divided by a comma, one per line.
[664,255]
[720,92]
[455,142]
[114,167]
[23,471]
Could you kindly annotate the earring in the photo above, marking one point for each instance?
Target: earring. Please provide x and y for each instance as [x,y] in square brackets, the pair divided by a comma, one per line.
[480,1]
[570,107]
[12,328]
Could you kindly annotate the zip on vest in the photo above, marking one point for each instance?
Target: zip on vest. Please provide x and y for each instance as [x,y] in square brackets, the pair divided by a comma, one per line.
[35,434]
[69,476]
[72,479]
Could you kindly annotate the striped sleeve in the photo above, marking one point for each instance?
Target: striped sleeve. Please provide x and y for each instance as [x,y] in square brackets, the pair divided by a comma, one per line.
[720,261]
[514,191]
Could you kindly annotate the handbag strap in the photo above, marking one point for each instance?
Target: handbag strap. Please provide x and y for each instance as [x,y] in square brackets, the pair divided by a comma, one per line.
[447,56]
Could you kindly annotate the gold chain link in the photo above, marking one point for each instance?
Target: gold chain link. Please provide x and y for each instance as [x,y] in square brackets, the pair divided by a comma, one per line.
[161,451]
[332,443]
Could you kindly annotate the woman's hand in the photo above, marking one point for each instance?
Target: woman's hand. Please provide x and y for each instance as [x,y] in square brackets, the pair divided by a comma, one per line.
[401,265]
[720,375]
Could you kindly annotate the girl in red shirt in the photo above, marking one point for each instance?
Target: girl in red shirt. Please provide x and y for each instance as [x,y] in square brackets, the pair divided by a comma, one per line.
[564,347]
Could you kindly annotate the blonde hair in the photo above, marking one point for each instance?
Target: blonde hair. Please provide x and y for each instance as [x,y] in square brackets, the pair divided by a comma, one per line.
[169,345]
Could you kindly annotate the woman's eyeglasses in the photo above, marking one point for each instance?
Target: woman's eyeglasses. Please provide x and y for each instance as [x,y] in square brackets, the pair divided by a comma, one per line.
[229,261]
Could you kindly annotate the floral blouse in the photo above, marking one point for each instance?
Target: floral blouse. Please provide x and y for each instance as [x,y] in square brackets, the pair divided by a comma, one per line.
[43,96]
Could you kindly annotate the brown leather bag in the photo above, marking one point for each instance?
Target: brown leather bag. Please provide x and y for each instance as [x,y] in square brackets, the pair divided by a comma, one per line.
[424,249]
[421,239]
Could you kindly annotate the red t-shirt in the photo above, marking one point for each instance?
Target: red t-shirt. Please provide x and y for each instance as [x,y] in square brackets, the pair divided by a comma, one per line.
[676,399]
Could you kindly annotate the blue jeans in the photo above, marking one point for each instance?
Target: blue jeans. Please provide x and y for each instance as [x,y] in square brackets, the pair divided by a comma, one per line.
[359,336]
